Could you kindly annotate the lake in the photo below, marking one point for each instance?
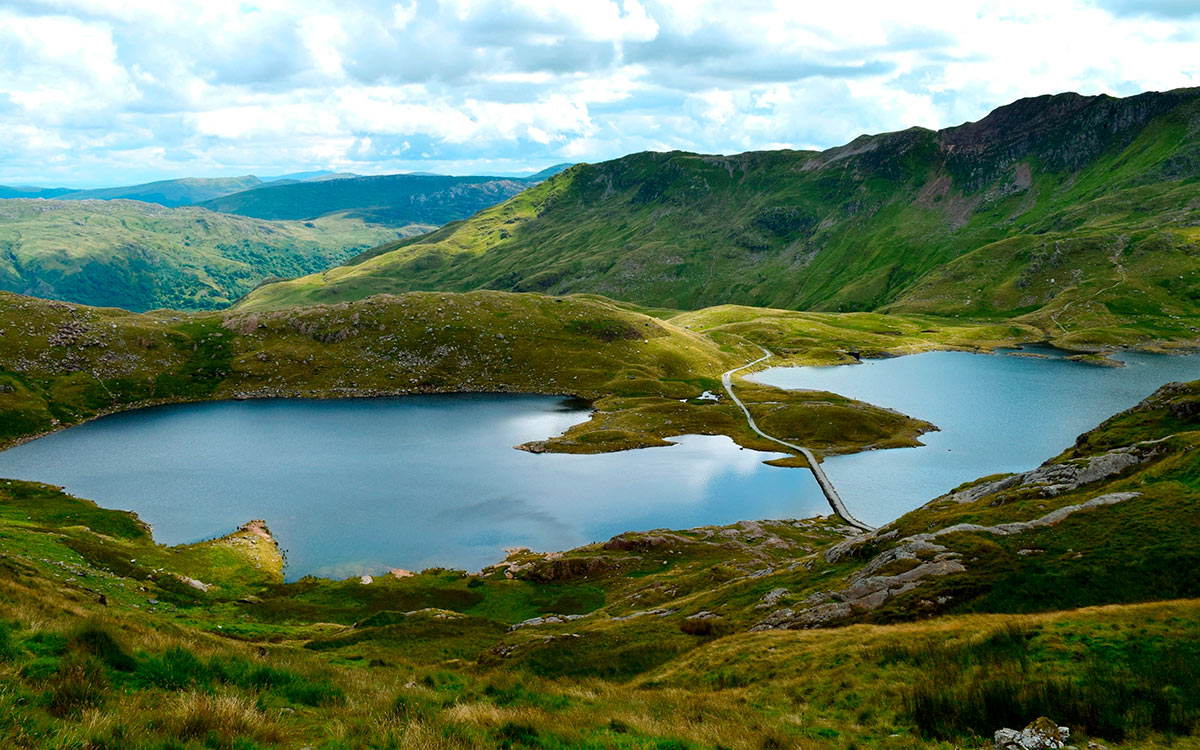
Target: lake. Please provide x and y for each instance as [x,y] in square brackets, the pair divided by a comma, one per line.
[997,413]
[362,485]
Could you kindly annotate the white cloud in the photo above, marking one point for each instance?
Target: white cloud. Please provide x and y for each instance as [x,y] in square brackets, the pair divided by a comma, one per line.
[100,92]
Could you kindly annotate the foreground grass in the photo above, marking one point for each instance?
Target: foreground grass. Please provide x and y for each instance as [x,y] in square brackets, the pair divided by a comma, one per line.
[74,677]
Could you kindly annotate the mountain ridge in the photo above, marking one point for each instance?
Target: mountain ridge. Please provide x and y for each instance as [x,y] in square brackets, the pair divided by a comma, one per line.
[855,227]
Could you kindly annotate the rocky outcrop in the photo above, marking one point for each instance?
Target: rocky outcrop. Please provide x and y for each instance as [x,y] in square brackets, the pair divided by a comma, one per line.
[866,590]
[545,620]
[198,585]
[635,542]
[772,597]
[550,569]
[1056,479]
[1040,734]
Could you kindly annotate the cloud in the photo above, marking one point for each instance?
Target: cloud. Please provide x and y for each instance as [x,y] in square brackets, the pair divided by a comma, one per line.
[94,92]
[505,509]
[1166,9]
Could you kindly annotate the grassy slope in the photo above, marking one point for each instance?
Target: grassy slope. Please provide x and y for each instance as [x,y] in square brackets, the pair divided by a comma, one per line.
[390,200]
[432,661]
[838,338]
[142,256]
[61,364]
[853,228]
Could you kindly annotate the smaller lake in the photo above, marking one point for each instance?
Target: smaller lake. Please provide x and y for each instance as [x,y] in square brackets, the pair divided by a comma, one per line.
[997,413]
[358,486]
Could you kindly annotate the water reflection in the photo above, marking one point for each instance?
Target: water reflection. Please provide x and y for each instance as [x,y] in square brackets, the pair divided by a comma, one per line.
[360,486]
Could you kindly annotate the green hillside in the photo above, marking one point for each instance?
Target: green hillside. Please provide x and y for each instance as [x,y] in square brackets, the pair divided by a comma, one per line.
[142,256]
[181,192]
[391,200]
[870,225]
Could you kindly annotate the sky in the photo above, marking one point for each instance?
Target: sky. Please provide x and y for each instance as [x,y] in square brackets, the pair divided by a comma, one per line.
[101,92]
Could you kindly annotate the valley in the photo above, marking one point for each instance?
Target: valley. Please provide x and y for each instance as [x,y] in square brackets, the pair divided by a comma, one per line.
[266,450]
[201,244]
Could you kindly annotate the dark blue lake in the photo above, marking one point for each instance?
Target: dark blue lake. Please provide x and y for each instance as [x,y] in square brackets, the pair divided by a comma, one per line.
[359,486]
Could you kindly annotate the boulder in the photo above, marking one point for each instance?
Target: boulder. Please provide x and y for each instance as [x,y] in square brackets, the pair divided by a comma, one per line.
[1040,734]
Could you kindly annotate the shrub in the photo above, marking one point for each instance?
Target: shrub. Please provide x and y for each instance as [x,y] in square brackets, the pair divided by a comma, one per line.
[514,735]
[412,707]
[8,649]
[176,669]
[694,626]
[94,639]
[79,683]
[292,686]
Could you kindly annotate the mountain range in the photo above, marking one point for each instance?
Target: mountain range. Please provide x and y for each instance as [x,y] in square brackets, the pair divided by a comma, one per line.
[178,192]
[141,247]
[1078,213]
[188,191]
[390,200]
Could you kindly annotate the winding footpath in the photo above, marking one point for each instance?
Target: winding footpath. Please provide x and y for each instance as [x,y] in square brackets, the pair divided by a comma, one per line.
[835,500]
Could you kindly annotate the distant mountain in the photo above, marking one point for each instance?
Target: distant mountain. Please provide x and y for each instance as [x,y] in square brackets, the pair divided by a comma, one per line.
[141,256]
[331,176]
[1077,213]
[28,191]
[168,193]
[391,200]
[314,175]
[549,172]
[295,176]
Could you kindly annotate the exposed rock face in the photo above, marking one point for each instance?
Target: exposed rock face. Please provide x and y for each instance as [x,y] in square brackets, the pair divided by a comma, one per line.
[1040,734]
[1055,479]
[867,591]
[772,597]
[633,542]
[1064,131]
[547,620]
[564,568]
